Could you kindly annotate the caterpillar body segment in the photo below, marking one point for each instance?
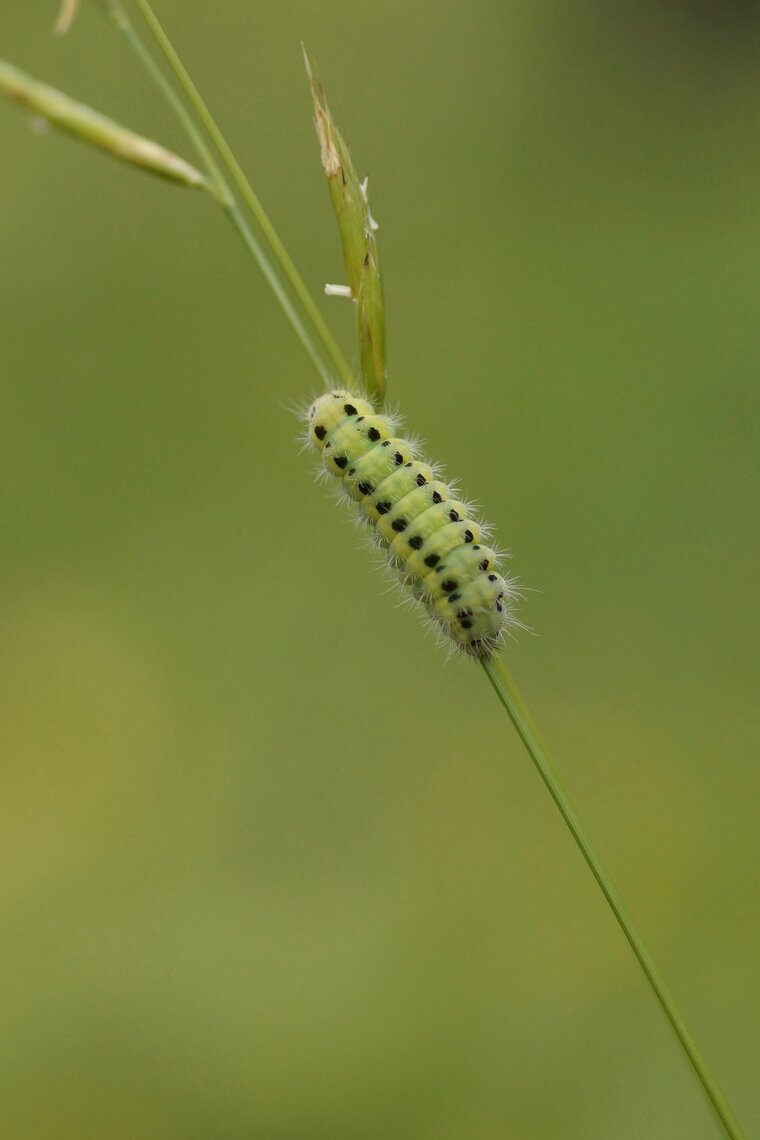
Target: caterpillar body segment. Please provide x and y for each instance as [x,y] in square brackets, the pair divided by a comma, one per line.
[430,537]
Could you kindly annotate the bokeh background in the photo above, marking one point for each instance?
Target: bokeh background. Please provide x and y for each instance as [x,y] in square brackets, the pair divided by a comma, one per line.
[270,868]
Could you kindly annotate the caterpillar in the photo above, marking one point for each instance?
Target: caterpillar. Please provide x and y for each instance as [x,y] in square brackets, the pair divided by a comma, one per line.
[432,540]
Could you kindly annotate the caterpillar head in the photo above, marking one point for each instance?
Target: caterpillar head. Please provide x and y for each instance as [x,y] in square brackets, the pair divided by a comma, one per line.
[331,409]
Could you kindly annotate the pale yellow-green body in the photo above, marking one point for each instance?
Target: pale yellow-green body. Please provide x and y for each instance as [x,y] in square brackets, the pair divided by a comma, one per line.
[431,538]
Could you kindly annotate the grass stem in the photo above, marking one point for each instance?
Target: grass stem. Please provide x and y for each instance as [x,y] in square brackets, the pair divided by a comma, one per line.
[510,698]
[247,194]
[223,192]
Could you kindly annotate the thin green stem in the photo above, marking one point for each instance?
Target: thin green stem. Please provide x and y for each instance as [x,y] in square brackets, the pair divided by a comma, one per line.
[247,193]
[236,216]
[510,698]
[223,193]
[122,23]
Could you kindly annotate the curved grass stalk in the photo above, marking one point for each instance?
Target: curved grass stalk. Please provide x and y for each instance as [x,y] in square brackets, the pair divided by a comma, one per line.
[510,698]
[224,194]
[246,191]
[494,669]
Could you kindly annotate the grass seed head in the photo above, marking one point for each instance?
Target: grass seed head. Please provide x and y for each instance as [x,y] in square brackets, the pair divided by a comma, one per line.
[358,237]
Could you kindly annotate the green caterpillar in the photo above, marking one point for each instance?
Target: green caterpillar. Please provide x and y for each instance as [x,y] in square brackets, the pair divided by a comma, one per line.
[431,538]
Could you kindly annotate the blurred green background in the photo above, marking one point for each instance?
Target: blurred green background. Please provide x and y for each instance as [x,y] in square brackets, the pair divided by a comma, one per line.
[270,868]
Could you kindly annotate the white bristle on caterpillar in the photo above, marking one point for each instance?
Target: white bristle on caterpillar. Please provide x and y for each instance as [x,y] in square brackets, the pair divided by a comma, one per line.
[431,539]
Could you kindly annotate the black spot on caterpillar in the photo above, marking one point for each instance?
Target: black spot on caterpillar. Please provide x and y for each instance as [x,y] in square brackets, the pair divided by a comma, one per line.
[443,564]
